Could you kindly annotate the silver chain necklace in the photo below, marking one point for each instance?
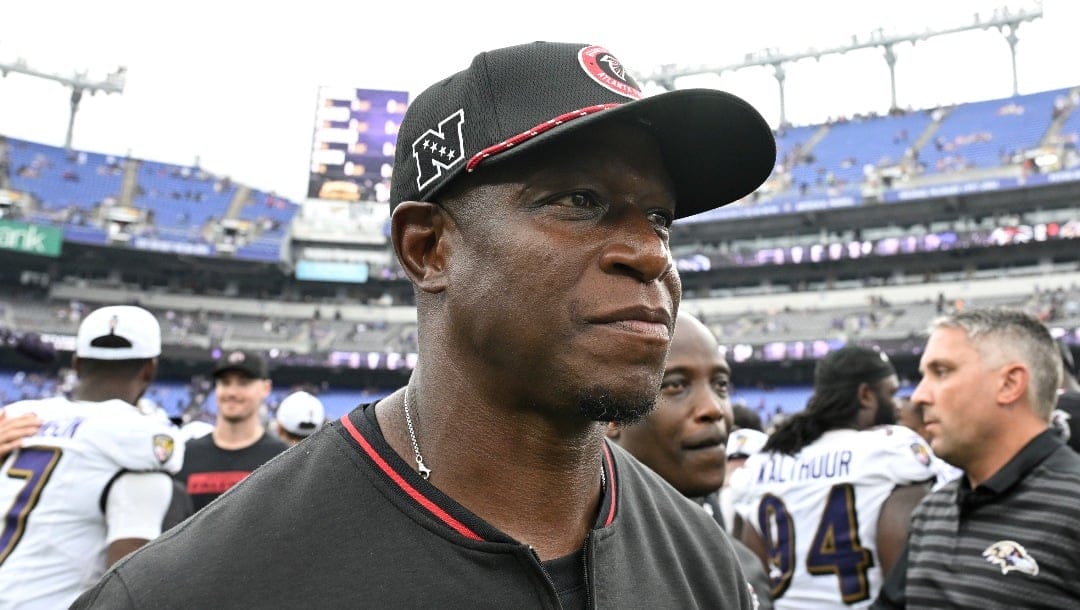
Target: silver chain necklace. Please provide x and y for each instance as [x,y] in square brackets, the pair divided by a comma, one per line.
[425,472]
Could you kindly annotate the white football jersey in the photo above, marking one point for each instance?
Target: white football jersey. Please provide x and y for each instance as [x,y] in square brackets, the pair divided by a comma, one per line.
[53,539]
[817,512]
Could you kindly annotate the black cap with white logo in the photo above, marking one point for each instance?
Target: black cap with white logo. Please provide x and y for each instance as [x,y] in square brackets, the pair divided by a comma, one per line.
[716,147]
[248,362]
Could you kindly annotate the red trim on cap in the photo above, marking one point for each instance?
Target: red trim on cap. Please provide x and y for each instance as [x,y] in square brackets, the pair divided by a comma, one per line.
[434,509]
[535,131]
[611,486]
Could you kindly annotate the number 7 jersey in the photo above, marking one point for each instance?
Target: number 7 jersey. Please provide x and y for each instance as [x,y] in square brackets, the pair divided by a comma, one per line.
[53,536]
[817,512]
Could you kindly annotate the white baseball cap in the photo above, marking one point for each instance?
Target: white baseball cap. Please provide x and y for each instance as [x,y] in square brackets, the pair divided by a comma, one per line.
[301,414]
[745,442]
[118,332]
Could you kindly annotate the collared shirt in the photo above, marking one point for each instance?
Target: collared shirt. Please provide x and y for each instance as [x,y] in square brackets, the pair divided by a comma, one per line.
[1011,542]
[1011,473]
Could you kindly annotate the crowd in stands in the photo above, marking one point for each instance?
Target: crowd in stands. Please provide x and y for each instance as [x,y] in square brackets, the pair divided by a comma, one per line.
[960,234]
[844,156]
[879,318]
[203,327]
[847,155]
[875,320]
[118,199]
[321,332]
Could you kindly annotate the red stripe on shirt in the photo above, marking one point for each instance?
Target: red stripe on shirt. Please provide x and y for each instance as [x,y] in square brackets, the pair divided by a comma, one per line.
[199,483]
[433,508]
[611,486]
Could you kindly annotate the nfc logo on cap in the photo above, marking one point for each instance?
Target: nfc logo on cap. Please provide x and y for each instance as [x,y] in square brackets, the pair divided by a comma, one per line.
[440,150]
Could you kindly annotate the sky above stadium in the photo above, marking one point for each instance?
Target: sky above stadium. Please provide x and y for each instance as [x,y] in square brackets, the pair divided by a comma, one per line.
[234,84]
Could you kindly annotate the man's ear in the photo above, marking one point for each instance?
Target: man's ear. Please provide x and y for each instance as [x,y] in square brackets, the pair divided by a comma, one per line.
[867,397]
[149,371]
[417,230]
[1013,383]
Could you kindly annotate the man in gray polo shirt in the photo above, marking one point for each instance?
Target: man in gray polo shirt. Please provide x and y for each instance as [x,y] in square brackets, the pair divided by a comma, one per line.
[1005,534]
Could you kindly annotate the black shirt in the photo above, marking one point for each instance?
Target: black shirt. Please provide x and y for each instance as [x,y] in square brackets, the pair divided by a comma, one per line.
[342,519]
[567,573]
[210,471]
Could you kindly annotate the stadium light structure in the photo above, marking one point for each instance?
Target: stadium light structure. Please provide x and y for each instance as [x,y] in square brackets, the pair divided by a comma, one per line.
[79,83]
[1006,21]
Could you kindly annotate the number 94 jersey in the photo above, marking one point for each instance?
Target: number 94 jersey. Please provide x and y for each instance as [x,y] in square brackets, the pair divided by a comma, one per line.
[817,512]
[53,536]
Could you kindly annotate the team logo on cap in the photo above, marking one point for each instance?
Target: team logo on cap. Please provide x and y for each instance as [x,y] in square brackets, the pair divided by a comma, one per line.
[605,69]
[437,150]
[163,447]
[236,357]
[1011,556]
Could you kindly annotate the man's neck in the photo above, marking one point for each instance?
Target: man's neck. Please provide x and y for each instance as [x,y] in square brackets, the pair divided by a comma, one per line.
[1003,451]
[232,435]
[100,391]
[517,471]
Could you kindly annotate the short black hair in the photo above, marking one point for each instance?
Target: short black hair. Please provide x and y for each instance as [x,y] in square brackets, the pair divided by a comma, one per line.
[851,365]
[834,403]
[745,417]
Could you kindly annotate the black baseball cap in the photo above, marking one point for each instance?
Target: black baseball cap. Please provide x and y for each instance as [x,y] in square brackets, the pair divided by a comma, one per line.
[245,361]
[716,147]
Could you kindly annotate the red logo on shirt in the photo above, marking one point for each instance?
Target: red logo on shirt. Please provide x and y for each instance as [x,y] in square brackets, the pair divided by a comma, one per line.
[214,482]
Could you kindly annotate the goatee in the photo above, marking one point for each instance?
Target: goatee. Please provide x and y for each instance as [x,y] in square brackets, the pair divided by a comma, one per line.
[598,404]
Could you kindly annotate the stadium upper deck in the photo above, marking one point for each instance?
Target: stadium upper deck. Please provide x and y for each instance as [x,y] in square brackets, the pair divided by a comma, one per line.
[107,200]
[983,146]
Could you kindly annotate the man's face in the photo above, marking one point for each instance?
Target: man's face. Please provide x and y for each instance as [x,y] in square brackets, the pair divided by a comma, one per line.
[910,415]
[885,393]
[561,288]
[240,395]
[877,402]
[684,439]
[957,397]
